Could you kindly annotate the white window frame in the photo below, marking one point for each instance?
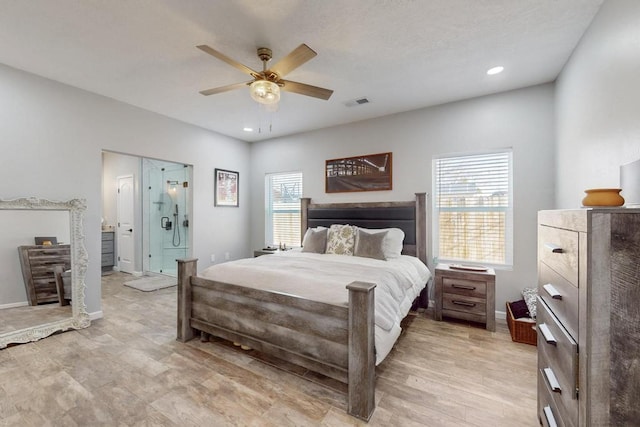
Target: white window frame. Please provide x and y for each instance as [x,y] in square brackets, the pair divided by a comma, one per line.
[508,210]
[270,239]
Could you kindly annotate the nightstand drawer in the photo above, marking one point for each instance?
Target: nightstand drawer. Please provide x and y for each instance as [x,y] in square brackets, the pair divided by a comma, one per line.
[464,304]
[558,249]
[471,288]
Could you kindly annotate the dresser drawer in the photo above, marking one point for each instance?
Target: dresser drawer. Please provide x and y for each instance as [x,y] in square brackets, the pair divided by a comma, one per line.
[107,235]
[107,260]
[107,246]
[477,306]
[547,409]
[558,249]
[558,362]
[470,288]
[561,297]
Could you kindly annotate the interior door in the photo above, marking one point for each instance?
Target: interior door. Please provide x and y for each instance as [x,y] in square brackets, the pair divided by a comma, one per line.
[126,232]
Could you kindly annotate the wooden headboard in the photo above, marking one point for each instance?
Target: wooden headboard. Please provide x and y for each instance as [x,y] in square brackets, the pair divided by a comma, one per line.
[410,217]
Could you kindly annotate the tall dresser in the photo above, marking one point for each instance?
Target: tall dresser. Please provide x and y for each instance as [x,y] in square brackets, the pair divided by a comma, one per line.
[589,317]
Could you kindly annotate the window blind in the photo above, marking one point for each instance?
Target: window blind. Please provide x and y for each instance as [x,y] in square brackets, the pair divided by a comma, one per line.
[473,211]
[282,218]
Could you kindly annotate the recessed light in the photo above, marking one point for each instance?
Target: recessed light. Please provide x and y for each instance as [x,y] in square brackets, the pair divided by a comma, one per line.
[247,129]
[495,70]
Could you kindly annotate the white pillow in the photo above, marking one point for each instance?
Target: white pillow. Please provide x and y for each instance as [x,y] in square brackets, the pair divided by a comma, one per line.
[392,243]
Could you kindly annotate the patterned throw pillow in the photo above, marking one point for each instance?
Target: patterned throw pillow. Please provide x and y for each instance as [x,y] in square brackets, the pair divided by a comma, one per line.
[530,295]
[341,239]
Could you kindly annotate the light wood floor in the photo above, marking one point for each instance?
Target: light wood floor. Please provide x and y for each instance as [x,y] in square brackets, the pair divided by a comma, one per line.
[128,370]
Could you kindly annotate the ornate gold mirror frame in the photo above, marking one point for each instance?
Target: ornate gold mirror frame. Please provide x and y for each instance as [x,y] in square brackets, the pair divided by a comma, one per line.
[79,318]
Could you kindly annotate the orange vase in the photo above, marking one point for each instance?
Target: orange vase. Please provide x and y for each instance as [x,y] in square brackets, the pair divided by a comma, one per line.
[603,197]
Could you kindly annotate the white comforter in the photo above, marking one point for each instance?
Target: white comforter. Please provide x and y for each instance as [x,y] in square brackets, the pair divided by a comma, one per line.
[324,277]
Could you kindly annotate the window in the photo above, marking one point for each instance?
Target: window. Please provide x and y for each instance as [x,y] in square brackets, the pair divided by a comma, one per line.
[282,206]
[473,209]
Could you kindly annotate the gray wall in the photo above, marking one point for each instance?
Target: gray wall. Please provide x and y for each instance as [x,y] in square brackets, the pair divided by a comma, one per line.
[521,119]
[598,104]
[52,138]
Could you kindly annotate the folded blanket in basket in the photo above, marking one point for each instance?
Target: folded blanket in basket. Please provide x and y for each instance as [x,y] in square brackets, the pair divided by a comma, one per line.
[519,309]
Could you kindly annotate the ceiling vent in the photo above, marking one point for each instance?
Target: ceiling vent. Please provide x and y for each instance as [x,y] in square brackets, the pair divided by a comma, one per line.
[355,102]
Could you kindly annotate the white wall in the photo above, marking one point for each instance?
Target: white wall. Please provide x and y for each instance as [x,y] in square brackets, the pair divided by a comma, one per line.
[598,104]
[52,137]
[521,119]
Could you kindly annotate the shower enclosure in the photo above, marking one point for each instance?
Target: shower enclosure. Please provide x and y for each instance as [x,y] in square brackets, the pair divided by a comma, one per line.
[165,216]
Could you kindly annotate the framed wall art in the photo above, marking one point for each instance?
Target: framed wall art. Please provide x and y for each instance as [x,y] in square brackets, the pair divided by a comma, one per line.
[226,188]
[371,172]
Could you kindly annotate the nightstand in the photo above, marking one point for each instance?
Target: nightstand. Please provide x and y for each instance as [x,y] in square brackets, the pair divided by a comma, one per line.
[465,294]
[259,252]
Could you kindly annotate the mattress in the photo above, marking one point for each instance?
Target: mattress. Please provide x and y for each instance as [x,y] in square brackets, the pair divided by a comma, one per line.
[324,277]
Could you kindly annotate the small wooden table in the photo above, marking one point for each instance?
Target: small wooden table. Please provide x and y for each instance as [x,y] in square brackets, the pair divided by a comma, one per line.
[259,252]
[465,294]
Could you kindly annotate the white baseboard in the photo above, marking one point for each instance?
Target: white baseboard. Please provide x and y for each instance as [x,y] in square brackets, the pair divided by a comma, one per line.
[137,273]
[14,304]
[96,315]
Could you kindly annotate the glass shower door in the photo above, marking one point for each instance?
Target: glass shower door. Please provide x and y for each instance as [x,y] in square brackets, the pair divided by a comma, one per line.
[167,217]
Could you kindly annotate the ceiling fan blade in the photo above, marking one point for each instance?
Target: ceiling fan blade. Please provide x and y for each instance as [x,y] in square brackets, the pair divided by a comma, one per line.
[223,88]
[305,89]
[293,60]
[221,56]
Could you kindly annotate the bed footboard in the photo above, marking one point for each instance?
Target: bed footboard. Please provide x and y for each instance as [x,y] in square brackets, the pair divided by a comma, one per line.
[335,341]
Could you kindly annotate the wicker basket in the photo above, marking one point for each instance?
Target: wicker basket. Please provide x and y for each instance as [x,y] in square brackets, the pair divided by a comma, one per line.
[521,330]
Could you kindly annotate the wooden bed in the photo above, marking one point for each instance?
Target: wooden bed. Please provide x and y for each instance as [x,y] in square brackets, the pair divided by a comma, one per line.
[334,341]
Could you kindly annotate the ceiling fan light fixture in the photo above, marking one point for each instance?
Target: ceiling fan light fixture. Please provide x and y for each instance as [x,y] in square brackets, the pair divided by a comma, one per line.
[265,92]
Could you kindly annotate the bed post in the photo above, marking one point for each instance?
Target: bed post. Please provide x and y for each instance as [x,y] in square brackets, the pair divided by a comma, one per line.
[304,216]
[186,269]
[362,362]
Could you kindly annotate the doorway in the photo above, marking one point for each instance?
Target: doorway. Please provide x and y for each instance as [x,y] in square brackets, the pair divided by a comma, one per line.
[125,220]
[154,244]
[165,214]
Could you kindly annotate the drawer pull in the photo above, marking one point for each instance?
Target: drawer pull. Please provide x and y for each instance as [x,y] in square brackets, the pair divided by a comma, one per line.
[552,380]
[548,414]
[552,291]
[465,287]
[464,303]
[553,248]
[547,335]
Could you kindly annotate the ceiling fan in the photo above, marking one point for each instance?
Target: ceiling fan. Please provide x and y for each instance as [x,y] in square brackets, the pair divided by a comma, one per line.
[266,84]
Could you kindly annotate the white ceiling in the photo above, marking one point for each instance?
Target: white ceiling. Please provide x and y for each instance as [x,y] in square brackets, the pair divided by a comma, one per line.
[400,54]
